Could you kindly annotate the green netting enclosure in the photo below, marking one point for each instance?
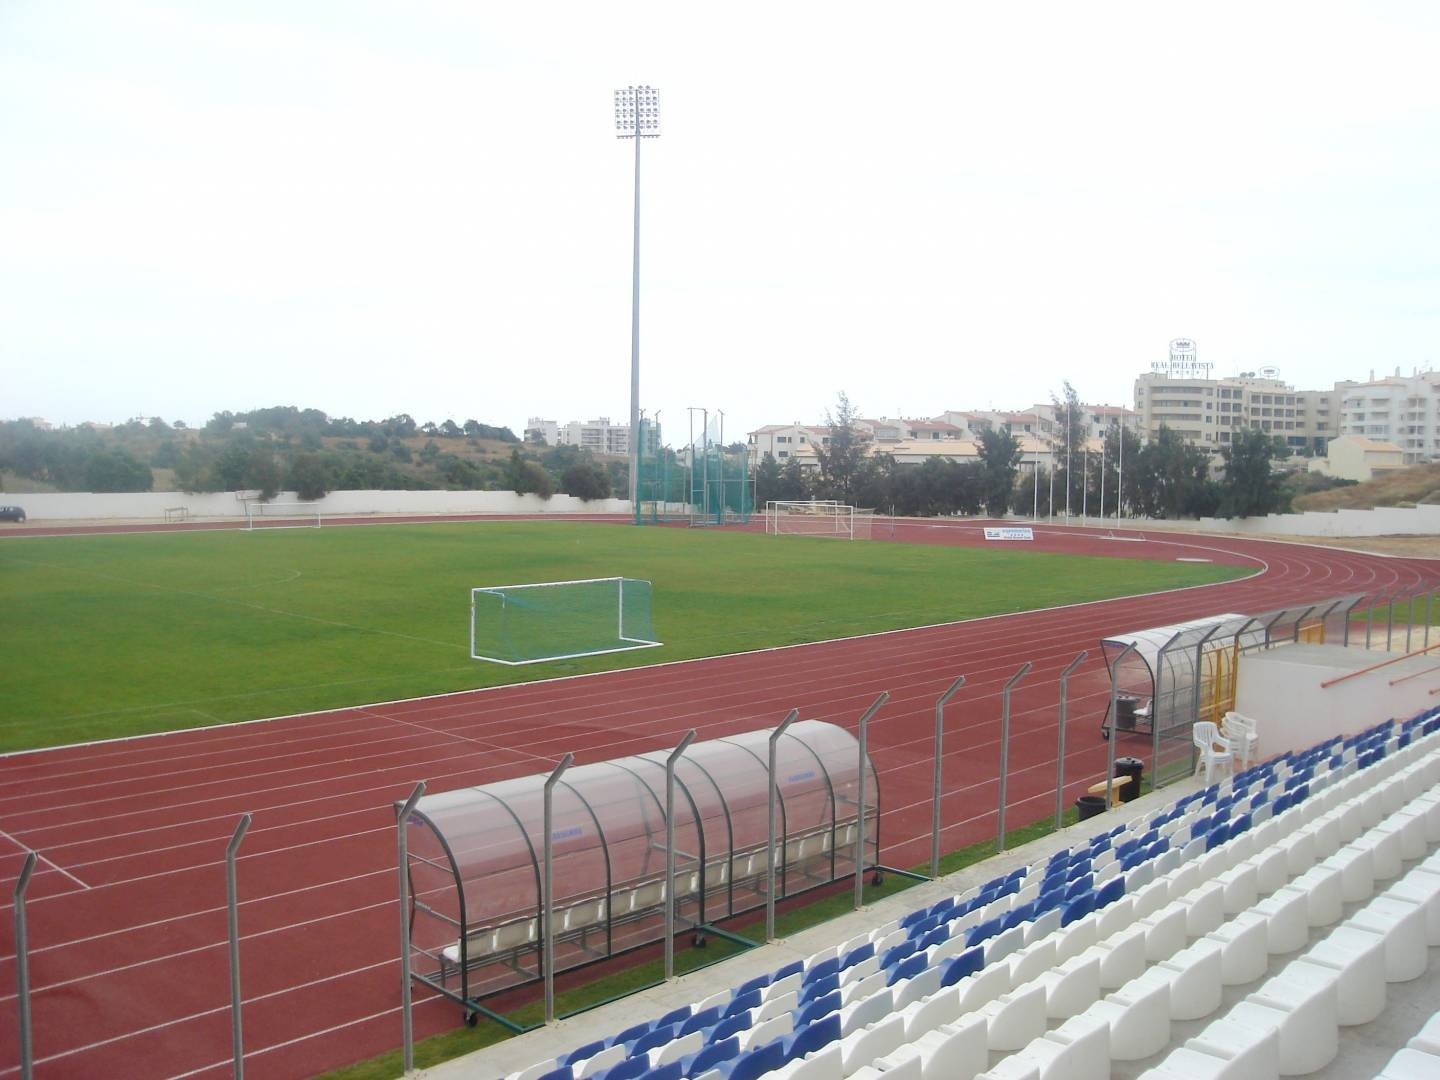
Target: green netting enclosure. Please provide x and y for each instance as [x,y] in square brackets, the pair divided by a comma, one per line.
[560,620]
[706,486]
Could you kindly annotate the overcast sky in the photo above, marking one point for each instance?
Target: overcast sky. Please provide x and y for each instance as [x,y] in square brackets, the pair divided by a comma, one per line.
[370,208]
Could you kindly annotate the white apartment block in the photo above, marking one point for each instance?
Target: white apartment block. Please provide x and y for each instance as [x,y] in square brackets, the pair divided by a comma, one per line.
[598,436]
[1208,413]
[1403,410]
[784,441]
[542,430]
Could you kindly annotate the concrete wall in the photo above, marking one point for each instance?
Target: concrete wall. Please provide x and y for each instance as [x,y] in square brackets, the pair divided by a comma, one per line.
[151,505]
[1281,689]
[1383,521]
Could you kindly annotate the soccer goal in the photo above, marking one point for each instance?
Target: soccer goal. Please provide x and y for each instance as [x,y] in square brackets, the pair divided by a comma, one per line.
[260,515]
[560,620]
[818,517]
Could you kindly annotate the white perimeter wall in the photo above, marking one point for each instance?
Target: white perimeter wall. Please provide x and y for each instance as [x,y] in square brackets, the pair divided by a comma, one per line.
[1281,689]
[151,505]
[1383,521]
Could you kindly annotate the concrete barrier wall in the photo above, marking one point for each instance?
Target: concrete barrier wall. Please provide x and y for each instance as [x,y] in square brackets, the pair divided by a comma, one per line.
[1383,521]
[151,505]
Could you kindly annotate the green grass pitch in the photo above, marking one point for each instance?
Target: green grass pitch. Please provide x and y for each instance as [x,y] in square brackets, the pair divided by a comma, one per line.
[119,635]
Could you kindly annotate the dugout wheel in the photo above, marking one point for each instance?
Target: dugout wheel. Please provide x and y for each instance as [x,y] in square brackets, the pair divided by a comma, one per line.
[877,878]
[471,1019]
[699,941]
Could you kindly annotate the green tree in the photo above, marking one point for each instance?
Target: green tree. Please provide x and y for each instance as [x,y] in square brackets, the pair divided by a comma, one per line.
[586,480]
[999,461]
[308,477]
[841,458]
[1251,487]
[767,480]
[117,470]
[527,477]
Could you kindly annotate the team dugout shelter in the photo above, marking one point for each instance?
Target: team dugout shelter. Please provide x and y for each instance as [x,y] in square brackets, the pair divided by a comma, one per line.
[475,855]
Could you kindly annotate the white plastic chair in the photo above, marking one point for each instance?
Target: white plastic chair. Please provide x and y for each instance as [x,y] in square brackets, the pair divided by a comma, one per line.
[1210,749]
[1243,735]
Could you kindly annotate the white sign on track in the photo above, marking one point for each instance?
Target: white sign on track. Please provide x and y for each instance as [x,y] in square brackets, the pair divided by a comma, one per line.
[1010,532]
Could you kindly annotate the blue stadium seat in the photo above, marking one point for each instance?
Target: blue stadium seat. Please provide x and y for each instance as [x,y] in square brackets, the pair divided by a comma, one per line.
[816,1009]
[955,968]
[701,1020]
[907,969]
[1077,908]
[812,1037]
[857,955]
[564,1072]
[590,1049]
[898,953]
[702,1061]
[671,1071]
[756,1062]
[743,1003]
[728,1026]
[657,1037]
[821,970]
[813,991]
[1111,891]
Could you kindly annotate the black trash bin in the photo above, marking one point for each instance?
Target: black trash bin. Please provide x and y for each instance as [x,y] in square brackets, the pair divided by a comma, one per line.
[1125,706]
[1090,806]
[1134,768]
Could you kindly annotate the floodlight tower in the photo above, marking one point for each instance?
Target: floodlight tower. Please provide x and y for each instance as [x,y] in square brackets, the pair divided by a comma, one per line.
[637,116]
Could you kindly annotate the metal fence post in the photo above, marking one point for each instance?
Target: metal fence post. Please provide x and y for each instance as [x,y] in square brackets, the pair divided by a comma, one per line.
[232,913]
[1114,727]
[860,799]
[935,791]
[549,882]
[1369,618]
[1409,619]
[1429,593]
[402,849]
[1060,740]
[670,763]
[770,828]
[1390,620]
[1005,748]
[22,967]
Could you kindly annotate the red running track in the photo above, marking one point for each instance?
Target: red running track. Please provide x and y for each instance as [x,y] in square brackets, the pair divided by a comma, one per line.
[126,912]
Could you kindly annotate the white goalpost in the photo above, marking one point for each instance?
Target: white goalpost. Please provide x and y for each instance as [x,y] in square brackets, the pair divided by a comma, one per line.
[293,515]
[818,517]
[560,620]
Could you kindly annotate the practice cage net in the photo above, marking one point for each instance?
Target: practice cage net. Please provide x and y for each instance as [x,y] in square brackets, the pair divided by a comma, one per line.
[560,620]
[712,487]
[818,517]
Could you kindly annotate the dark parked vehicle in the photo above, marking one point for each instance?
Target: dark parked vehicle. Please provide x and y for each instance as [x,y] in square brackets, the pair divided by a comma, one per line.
[12,513]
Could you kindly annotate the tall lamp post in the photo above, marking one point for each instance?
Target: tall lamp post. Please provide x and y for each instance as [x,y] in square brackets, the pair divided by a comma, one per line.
[637,116]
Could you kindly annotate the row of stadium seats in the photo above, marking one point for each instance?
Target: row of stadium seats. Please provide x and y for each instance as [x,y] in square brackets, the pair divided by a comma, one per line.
[1172,906]
[1419,1059]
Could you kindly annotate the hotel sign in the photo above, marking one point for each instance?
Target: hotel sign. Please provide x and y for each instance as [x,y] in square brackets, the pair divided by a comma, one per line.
[1182,363]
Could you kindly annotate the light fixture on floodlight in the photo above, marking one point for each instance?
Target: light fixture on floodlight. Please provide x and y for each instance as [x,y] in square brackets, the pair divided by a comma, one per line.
[637,116]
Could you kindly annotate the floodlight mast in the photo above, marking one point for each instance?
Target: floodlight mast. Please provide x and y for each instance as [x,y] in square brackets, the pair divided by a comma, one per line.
[637,116]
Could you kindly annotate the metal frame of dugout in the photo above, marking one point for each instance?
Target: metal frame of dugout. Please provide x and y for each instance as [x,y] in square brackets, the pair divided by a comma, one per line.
[476,866]
[1177,675]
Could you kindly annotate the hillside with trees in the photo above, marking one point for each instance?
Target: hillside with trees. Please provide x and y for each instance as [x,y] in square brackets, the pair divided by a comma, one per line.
[288,448]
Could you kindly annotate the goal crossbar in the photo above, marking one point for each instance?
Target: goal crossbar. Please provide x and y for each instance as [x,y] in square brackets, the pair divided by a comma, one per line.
[260,515]
[817,517]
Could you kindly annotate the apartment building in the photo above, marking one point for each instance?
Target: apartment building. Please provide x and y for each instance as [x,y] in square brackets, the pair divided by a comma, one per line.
[1402,410]
[1209,413]
[598,436]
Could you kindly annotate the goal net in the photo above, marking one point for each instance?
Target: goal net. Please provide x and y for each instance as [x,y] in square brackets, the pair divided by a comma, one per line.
[559,620]
[260,515]
[818,517]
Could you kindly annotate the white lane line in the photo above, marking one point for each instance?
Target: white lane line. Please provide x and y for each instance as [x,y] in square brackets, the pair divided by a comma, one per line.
[44,859]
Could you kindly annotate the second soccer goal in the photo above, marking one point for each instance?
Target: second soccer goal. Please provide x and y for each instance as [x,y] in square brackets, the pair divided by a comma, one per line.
[560,620]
